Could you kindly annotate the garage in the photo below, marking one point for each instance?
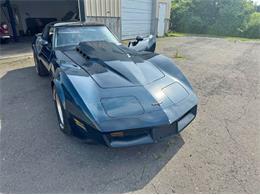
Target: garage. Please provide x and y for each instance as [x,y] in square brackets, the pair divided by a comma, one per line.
[136,18]
[125,18]
[28,17]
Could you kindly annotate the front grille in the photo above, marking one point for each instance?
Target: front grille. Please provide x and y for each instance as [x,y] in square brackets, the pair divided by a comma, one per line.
[130,138]
[130,134]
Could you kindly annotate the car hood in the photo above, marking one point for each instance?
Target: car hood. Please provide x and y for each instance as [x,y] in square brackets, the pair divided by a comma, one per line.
[113,66]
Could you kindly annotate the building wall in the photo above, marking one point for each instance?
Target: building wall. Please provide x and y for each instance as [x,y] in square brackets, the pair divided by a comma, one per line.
[136,18]
[109,13]
[104,8]
[112,8]
[106,12]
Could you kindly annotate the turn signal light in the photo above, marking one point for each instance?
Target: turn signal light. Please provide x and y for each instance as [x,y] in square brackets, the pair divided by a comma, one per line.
[80,124]
[117,134]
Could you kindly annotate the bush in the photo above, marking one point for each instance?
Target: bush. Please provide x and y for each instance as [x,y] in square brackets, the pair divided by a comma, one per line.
[253,28]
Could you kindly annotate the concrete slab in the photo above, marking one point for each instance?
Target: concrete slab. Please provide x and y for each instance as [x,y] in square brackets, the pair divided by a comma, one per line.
[13,49]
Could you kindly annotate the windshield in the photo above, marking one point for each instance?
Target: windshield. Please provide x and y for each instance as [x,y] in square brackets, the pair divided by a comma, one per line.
[69,36]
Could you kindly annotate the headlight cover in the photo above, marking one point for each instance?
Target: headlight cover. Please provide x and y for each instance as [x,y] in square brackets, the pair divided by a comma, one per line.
[175,92]
[121,107]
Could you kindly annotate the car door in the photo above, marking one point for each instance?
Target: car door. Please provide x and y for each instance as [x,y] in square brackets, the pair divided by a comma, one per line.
[46,50]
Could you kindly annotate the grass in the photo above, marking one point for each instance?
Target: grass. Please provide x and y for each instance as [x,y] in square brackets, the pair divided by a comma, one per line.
[177,34]
[240,39]
[177,55]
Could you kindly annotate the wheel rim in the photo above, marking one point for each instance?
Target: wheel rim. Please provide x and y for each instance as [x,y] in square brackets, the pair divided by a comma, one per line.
[60,113]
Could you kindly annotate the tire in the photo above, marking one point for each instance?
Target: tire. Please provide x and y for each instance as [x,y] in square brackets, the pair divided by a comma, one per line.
[61,114]
[39,67]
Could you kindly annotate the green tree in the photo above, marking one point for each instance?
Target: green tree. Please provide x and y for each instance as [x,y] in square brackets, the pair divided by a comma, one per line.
[219,17]
[232,17]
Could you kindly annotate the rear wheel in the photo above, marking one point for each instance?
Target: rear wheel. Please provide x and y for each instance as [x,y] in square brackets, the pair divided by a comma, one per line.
[39,67]
[61,114]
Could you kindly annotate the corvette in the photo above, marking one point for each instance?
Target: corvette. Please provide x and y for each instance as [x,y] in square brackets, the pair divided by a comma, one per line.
[104,91]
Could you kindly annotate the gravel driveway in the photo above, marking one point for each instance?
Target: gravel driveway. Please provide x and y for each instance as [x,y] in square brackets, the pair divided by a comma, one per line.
[218,153]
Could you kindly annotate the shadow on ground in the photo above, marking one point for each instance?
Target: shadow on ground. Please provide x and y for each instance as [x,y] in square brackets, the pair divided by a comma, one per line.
[37,158]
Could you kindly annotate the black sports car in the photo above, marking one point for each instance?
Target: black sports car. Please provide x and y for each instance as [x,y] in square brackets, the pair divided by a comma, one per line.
[117,95]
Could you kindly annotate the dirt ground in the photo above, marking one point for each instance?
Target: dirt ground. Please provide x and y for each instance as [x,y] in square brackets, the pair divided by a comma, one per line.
[218,153]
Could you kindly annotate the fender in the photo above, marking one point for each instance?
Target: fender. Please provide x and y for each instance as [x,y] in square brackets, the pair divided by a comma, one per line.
[59,91]
[82,111]
[166,64]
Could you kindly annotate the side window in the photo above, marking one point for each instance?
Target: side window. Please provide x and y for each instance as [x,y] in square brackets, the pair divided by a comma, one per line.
[50,34]
[47,34]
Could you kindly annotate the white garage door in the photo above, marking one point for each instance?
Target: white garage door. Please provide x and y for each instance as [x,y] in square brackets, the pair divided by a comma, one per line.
[136,18]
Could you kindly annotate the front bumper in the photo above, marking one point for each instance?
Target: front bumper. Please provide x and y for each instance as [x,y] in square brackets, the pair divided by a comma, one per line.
[134,137]
[5,37]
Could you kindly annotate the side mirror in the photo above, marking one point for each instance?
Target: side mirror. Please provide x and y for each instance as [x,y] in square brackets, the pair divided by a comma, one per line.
[44,42]
[143,44]
[139,38]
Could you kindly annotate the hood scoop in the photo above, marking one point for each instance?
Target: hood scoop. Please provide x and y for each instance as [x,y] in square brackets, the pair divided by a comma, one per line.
[112,66]
[102,50]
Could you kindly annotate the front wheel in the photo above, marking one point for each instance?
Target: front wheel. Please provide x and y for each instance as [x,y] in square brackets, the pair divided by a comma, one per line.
[61,114]
[39,67]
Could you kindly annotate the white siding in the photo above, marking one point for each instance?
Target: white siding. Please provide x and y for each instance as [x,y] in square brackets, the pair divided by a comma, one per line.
[136,18]
[102,8]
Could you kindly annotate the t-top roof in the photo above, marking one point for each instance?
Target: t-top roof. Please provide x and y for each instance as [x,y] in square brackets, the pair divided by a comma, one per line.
[78,23]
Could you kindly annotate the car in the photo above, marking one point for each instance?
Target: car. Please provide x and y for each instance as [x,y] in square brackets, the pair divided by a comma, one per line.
[4,33]
[107,92]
